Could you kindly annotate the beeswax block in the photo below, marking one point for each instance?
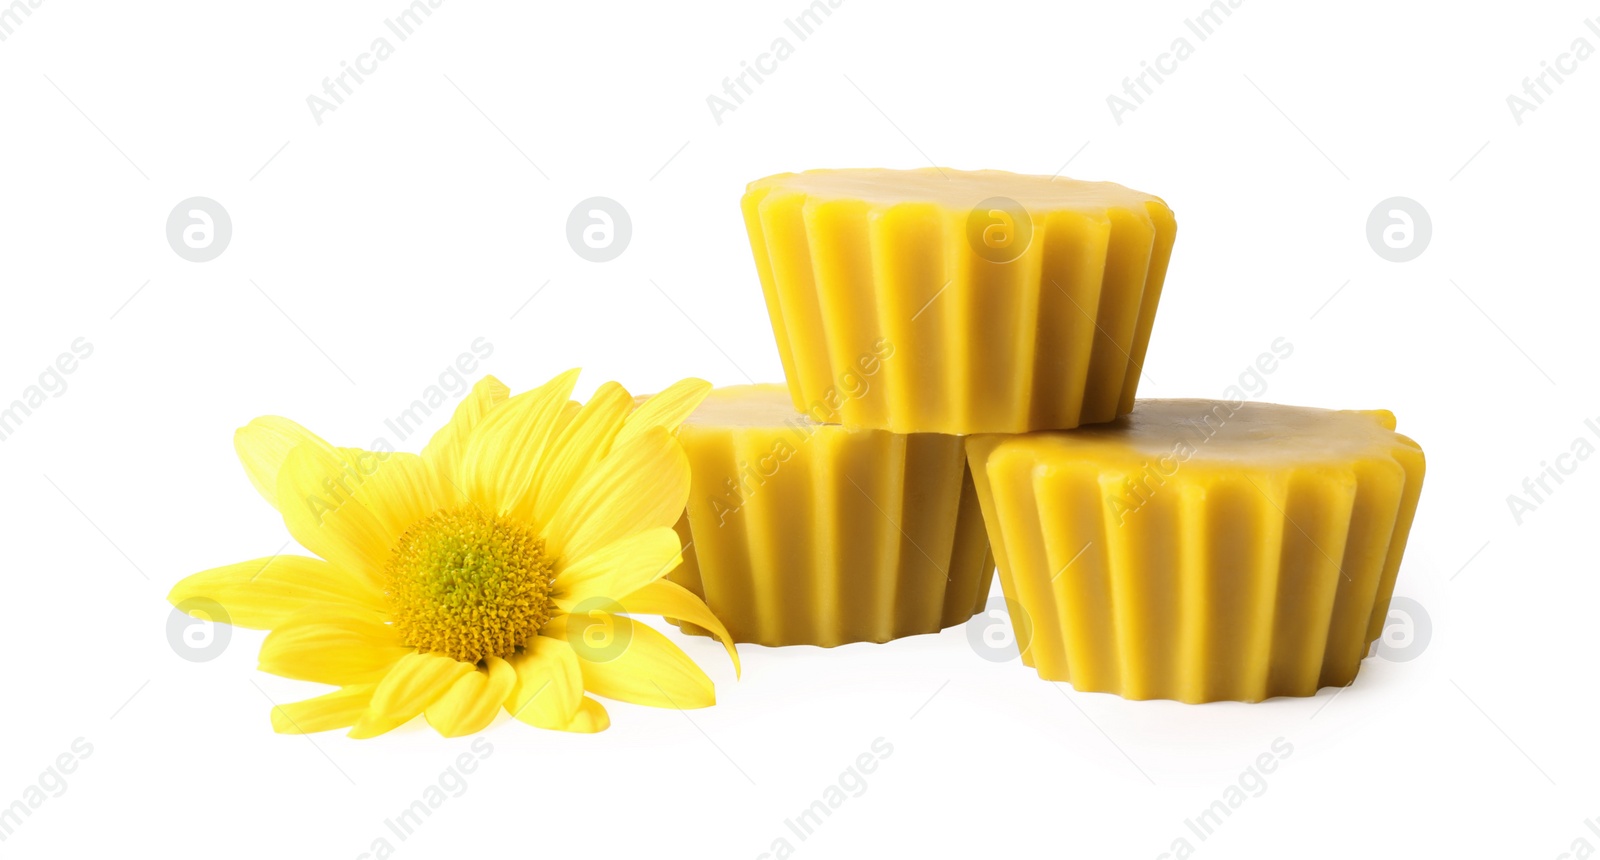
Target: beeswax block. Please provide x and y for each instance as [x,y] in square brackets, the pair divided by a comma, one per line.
[1200,550]
[805,533]
[1005,303]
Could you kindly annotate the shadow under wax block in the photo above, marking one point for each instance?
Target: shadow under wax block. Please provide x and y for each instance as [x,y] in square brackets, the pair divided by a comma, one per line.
[999,303]
[1200,550]
[817,534]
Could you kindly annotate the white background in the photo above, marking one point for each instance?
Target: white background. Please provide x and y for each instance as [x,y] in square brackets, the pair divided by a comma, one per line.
[422,214]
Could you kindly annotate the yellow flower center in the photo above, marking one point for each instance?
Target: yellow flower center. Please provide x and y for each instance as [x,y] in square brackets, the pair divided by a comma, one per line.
[468,585]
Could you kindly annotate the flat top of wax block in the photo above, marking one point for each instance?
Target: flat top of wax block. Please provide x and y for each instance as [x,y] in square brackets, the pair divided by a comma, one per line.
[1215,431]
[958,189]
[767,405]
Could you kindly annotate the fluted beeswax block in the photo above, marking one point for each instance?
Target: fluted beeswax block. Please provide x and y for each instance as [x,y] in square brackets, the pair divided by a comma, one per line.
[1201,550]
[1009,302]
[806,533]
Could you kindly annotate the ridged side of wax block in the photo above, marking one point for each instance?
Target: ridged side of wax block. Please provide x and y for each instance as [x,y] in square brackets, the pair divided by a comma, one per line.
[687,573]
[886,317]
[854,536]
[1166,230]
[1409,455]
[1214,584]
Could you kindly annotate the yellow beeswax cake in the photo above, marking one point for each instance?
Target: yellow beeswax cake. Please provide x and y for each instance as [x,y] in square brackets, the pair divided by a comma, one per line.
[805,533]
[1200,550]
[984,301]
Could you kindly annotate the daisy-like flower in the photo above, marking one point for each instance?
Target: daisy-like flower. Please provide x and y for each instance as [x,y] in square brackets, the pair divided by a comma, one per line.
[483,574]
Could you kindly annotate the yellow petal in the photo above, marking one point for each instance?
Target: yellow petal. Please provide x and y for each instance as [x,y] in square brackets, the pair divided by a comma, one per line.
[549,688]
[336,710]
[619,568]
[641,484]
[667,409]
[331,647]
[650,670]
[448,445]
[671,600]
[399,491]
[264,443]
[414,683]
[509,444]
[569,411]
[315,498]
[577,448]
[590,718]
[266,592]
[472,702]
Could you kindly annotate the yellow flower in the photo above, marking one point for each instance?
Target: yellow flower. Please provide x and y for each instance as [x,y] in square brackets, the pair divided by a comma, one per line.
[484,573]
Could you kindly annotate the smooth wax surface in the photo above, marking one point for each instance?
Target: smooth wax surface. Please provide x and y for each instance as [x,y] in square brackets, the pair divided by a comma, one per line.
[996,302]
[803,533]
[1200,550]
[957,189]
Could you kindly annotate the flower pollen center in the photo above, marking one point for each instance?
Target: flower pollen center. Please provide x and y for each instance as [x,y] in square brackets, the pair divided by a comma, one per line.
[468,585]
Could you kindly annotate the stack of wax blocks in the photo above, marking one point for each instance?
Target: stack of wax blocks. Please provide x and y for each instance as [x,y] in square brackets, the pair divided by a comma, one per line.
[962,352]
